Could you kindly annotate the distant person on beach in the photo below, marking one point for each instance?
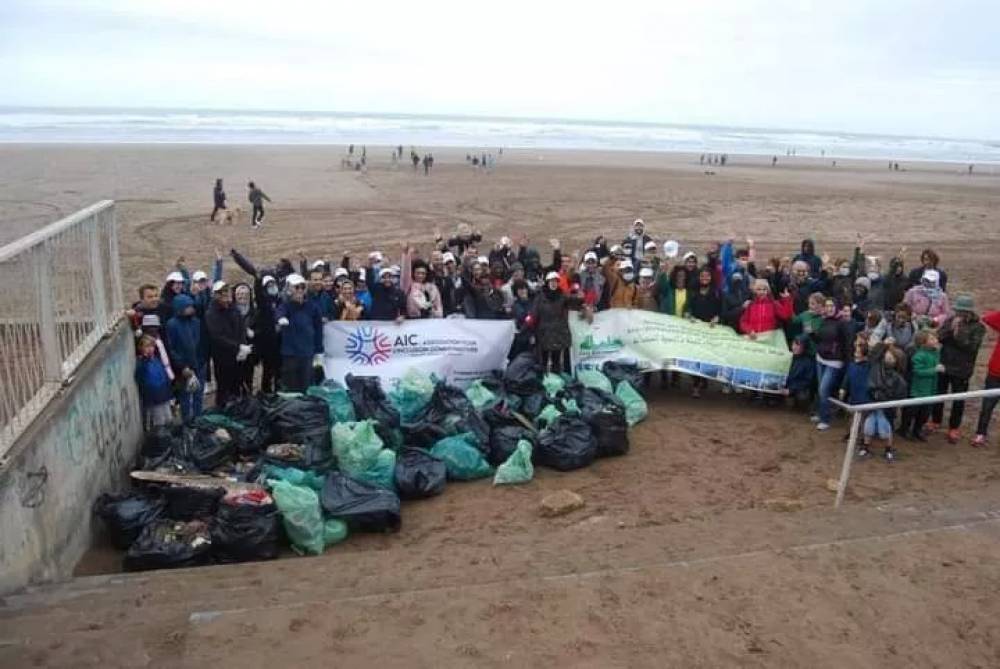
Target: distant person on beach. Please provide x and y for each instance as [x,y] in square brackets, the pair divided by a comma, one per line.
[399,150]
[724,158]
[427,164]
[415,159]
[970,169]
[774,160]
[701,161]
[257,197]
[219,198]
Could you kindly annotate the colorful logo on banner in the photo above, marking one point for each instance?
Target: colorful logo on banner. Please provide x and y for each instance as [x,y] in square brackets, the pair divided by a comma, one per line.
[368,346]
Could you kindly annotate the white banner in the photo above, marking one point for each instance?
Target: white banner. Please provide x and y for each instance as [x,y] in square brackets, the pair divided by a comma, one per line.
[456,349]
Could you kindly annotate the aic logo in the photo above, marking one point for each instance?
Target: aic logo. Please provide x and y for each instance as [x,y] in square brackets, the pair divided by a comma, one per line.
[368,346]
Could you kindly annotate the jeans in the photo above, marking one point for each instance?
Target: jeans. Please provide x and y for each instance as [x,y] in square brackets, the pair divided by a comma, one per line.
[956,385]
[191,403]
[829,379]
[296,373]
[988,405]
[258,214]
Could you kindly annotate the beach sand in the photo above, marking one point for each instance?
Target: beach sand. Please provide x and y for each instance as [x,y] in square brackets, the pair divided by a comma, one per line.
[698,481]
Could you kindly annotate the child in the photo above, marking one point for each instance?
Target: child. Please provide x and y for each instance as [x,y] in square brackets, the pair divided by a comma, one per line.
[801,382]
[925,365]
[154,385]
[854,386]
[885,383]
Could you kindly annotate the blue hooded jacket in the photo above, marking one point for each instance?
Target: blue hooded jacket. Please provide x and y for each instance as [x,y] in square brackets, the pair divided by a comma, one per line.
[303,336]
[154,384]
[184,340]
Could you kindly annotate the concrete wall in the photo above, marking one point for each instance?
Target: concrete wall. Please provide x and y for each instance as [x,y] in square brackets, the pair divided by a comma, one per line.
[81,445]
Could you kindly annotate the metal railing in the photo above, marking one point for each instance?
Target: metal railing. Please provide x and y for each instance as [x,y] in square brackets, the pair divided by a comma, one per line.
[858,410]
[60,293]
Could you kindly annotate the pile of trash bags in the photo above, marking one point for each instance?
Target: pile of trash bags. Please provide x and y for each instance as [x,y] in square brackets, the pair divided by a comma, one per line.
[306,470]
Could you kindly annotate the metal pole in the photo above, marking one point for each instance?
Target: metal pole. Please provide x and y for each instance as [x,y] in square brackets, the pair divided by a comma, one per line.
[52,369]
[845,470]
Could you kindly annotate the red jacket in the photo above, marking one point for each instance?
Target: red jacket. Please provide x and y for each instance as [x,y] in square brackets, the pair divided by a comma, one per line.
[766,314]
[992,319]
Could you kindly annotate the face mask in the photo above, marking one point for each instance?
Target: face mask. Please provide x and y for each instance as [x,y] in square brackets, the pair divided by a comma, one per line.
[844,271]
[272,290]
[874,276]
[628,276]
[244,309]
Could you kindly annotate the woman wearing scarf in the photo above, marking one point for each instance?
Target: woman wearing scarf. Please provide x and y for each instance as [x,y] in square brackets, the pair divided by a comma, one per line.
[928,301]
[423,300]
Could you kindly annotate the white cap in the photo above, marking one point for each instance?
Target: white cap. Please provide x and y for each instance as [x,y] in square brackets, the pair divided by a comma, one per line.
[483,260]
[690,254]
[396,269]
[625,264]
[931,275]
[646,271]
[552,275]
[385,272]
[340,271]
[650,245]
[220,286]
[638,221]
[447,256]
[617,248]
[294,280]
[589,255]
[671,248]
[317,264]
[266,280]
[175,276]
[199,276]
[505,241]
[376,256]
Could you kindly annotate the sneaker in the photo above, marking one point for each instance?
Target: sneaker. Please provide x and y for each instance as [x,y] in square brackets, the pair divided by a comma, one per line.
[863,452]
[814,418]
[979,441]
[726,390]
[889,455]
[822,427]
[931,427]
[954,436]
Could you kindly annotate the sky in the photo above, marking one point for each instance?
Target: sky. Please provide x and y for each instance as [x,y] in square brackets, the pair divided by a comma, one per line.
[911,67]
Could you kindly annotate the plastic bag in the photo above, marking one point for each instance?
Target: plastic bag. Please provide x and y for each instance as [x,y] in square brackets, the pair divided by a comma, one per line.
[301,516]
[299,419]
[248,410]
[517,468]
[618,371]
[169,544]
[245,532]
[504,441]
[247,439]
[593,378]
[547,415]
[191,503]
[206,448]
[636,408]
[337,400]
[127,514]
[370,402]
[463,460]
[523,375]
[532,405]
[568,443]
[611,431]
[553,384]
[482,398]
[362,506]
[300,456]
[160,444]
[334,531]
[356,446]
[448,413]
[382,471]
[295,476]
[419,474]
[411,394]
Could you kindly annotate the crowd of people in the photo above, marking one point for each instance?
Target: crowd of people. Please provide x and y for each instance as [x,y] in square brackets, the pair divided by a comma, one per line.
[854,329]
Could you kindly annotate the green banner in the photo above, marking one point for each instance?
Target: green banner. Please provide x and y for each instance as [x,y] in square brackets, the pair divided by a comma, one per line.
[656,341]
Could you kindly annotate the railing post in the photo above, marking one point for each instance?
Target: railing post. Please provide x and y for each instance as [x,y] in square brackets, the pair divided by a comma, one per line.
[115,269]
[97,274]
[845,470]
[47,327]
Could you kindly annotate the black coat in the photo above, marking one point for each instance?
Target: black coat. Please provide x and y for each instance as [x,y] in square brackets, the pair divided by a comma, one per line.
[551,313]
[225,333]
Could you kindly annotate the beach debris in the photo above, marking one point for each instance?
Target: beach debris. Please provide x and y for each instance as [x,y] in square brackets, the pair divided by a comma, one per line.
[560,503]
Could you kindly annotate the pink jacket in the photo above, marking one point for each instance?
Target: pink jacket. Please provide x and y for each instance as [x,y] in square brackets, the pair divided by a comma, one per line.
[933,303]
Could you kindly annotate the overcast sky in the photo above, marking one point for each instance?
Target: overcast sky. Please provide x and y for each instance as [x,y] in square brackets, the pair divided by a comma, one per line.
[890,66]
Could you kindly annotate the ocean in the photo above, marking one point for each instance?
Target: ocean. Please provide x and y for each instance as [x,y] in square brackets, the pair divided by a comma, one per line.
[180,126]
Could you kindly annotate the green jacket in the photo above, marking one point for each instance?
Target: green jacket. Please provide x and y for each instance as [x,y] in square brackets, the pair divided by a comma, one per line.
[923,367]
[815,322]
[665,295]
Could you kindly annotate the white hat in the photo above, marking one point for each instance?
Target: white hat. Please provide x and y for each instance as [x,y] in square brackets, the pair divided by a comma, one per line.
[340,271]
[396,269]
[376,256]
[650,245]
[617,248]
[447,256]
[505,241]
[317,264]
[671,249]
[266,280]
[625,264]
[690,254]
[199,276]
[646,271]
[931,275]
[220,286]
[483,260]
[385,272]
[589,255]
[294,280]
[175,276]
[552,275]
[638,221]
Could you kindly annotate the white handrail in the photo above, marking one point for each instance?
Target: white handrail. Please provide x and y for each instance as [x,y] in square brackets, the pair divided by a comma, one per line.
[858,409]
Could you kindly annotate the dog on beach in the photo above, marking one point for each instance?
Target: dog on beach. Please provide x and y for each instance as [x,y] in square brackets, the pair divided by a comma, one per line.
[228,216]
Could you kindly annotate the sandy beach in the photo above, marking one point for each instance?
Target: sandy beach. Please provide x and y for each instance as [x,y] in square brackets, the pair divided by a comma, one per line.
[699,480]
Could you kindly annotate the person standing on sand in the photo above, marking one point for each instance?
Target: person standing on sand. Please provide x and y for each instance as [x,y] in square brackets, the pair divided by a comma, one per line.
[219,198]
[226,342]
[257,197]
[301,326]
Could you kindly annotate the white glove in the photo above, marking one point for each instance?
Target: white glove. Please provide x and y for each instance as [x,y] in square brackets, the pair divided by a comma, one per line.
[192,385]
[318,360]
[244,352]
[282,322]
[249,333]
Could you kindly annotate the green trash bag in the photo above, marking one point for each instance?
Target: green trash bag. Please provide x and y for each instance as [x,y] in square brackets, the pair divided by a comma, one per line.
[547,415]
[336,397]
[334,531]
[553,384]
[295,476]
[481,397]
[382,472]
[636,408]
[570,407]
[411,394]
[356,446]
[518,468]
[593,378]
[301,516]
[462,459]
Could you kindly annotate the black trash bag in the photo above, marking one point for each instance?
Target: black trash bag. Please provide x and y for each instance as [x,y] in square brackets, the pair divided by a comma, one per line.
[503,441]
[623,371]
[169,544]
[592,401]
[567,443]
[449,412]
[190,503]
[208,448]
[248,410]
[419,474]
[300,456]
[249,439]
[246,532]
[161,441]
[611,431]
[533,404]
[371,402]
[127,513]
[364,507]
[524,375]
[302,419]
